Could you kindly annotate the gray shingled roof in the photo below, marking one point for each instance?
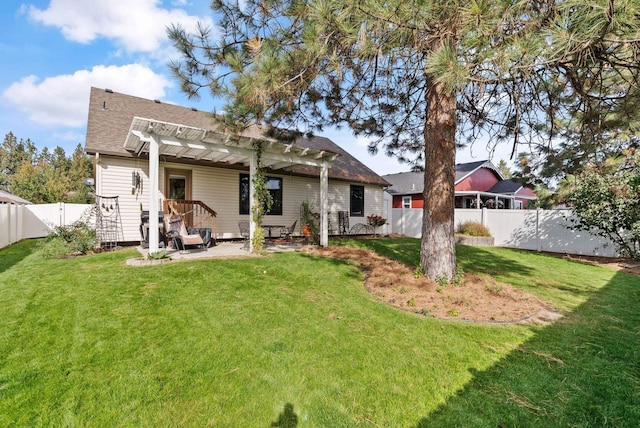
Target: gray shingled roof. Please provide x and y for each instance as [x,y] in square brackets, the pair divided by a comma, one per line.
[465,169]
[505,187]
[9,198]
[405,183]
[111,114]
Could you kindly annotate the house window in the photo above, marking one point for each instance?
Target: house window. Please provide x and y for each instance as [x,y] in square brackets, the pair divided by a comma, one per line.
[244,193]
[274,185]
[177,187]
[356,208]
[406,202]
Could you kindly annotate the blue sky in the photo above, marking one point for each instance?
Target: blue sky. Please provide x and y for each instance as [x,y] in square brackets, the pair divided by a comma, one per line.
[53,51]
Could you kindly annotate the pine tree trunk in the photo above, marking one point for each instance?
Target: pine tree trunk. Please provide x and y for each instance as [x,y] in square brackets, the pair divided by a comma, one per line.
[437,250]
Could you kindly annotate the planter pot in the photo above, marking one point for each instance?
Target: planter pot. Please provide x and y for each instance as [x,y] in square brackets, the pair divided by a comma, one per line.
[476,241]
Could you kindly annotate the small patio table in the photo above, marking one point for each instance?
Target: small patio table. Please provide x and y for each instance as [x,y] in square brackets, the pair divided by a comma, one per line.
[271,226]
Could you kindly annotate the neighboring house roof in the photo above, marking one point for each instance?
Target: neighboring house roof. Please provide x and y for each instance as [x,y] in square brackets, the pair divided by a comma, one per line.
[407,183]
[463,170]
[6,197]
[508,186]
[111,115]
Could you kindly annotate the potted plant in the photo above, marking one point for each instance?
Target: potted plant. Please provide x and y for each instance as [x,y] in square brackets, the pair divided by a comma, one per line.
[309,221]
[306,230]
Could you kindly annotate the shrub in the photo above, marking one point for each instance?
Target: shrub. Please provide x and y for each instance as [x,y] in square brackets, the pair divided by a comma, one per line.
[158,255]
[54,248]
[418,272]
[472,228]
[442,280]
[606,200]
[74,239]
[376,220]
[458,278]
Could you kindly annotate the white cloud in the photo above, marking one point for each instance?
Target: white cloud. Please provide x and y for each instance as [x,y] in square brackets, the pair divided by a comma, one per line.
[64,100]
[135,25]
[72,137]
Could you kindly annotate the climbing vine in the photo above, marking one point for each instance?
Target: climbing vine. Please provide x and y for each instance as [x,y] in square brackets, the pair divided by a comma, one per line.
[262,199]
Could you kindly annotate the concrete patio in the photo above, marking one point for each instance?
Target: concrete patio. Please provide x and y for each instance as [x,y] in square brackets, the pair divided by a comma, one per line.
[224,249]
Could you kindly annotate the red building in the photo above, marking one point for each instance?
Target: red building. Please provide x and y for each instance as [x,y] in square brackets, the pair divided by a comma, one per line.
[478,185]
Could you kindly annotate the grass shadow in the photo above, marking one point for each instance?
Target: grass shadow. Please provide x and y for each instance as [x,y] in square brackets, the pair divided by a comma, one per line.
[405,250]
[470,259]
[581,371]
[15,253]
[356,274]
[483,260]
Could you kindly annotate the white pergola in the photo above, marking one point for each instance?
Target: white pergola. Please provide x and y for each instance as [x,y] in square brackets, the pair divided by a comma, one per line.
[158,138]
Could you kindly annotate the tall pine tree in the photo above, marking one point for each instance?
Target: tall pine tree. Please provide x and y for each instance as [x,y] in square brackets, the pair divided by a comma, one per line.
[414,76]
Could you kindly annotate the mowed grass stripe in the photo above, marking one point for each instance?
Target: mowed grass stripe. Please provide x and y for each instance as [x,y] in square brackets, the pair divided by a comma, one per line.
[241,342]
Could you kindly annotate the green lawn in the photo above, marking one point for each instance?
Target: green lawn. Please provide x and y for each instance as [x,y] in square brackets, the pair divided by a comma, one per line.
[294,340]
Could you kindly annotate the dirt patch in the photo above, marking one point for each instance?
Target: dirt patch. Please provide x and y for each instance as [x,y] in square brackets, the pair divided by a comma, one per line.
[481,298]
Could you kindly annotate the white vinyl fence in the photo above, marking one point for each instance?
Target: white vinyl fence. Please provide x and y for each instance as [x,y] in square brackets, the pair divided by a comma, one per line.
[18,222]
[539,230]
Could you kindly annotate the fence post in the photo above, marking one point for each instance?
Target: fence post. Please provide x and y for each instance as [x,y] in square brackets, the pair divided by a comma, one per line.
[483,217]
[14,222]
[9,228]
[538,241]
[19,222]
[61,219]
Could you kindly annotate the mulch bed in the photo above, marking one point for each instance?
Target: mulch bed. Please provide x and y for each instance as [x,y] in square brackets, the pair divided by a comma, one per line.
[480,298]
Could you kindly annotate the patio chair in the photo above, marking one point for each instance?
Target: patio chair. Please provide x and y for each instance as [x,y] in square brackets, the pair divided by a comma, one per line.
[177,232]
[243,225]
[287,232]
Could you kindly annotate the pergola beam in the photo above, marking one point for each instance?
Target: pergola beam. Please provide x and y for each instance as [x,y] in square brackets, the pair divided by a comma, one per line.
[317,160]
[184,141]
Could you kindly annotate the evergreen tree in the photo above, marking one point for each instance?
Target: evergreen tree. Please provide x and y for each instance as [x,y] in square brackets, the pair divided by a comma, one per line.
[504,169]
[80,169]
[44,177]
[13,154]
[414,74]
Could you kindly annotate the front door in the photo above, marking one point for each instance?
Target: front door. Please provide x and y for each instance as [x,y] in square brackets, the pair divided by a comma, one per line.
[177,184]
